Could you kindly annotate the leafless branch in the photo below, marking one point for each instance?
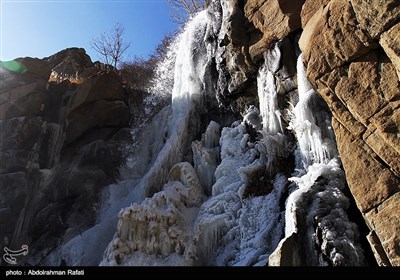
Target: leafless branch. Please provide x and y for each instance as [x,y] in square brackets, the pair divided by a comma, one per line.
[111,46]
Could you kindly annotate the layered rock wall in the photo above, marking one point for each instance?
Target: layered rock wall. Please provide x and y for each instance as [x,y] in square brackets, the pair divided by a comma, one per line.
[60,143]
[352,54]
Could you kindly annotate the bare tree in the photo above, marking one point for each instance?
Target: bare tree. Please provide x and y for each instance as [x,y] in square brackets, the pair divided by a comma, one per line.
[111,46]
[182,10]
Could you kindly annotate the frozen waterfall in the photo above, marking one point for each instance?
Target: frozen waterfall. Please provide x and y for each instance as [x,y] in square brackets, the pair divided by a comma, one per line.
[314,146]
[316,210]
[227,194]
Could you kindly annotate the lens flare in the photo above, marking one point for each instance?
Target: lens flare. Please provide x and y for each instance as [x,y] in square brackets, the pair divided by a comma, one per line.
[13,66]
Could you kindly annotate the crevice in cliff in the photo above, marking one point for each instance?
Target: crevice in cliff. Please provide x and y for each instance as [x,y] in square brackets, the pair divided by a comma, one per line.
[356,216]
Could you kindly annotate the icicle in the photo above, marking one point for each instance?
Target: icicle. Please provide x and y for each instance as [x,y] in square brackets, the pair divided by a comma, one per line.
[313,147]
[267,94]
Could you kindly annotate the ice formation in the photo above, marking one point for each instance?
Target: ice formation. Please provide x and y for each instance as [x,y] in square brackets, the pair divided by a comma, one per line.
[245,217]
[206,156]
[315,146]
[235,195]
[230,228]
[317,209]
[158,231]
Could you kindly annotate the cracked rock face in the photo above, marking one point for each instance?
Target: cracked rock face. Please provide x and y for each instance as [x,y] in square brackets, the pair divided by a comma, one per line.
[62,142]
[55,155]
[351,51]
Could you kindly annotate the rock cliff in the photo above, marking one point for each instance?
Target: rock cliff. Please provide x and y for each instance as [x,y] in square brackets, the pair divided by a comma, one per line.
[264,185]
[352,51]
[62,141]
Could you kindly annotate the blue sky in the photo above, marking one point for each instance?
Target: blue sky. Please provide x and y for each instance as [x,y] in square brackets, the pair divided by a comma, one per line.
[42,28]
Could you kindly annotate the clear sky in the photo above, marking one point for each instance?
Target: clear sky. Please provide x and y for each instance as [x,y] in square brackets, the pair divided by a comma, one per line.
[41,28]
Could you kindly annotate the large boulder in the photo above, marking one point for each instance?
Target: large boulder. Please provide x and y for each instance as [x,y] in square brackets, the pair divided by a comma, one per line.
[102,86]
[275,19]
[97,103]
[35,68]
[32,103]
[309,8]
[376,16]
[69,63]
[331,38]
[390,41]
[20,133]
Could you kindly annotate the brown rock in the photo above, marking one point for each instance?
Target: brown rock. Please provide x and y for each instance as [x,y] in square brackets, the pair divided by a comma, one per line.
[36,68]
[384,151]
[104,86]
[23,72]
[390,84]
[99,114]
[387,122]
[24,93]
[341,113]
[71,61]
[385,221]
[287,252]
[233,58]
[309,8]
[360,88]
[390,41]
[12,90]
[364,87]
[32,104]
[370,182]
[376,16]
[275,19]
[331,38]
[19,133]
[377,249]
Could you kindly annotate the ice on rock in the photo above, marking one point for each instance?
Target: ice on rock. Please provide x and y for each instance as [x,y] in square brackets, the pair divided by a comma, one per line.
[316,211]
[144,156]
[261,225]
[206,156]
[244,230]
[158,231]
[187,94]
[274,140]
[315,147]
[267,95]
[229,208]
[185,173]
[171,208]
[252,117]
[190,66]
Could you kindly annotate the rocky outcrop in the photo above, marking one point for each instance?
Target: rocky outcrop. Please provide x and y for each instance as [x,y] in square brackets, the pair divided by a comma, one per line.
[274,19]
[354,70]
[390,43]
[351,52]
[155,232]
[99,102]
[68,63]
[60,145]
